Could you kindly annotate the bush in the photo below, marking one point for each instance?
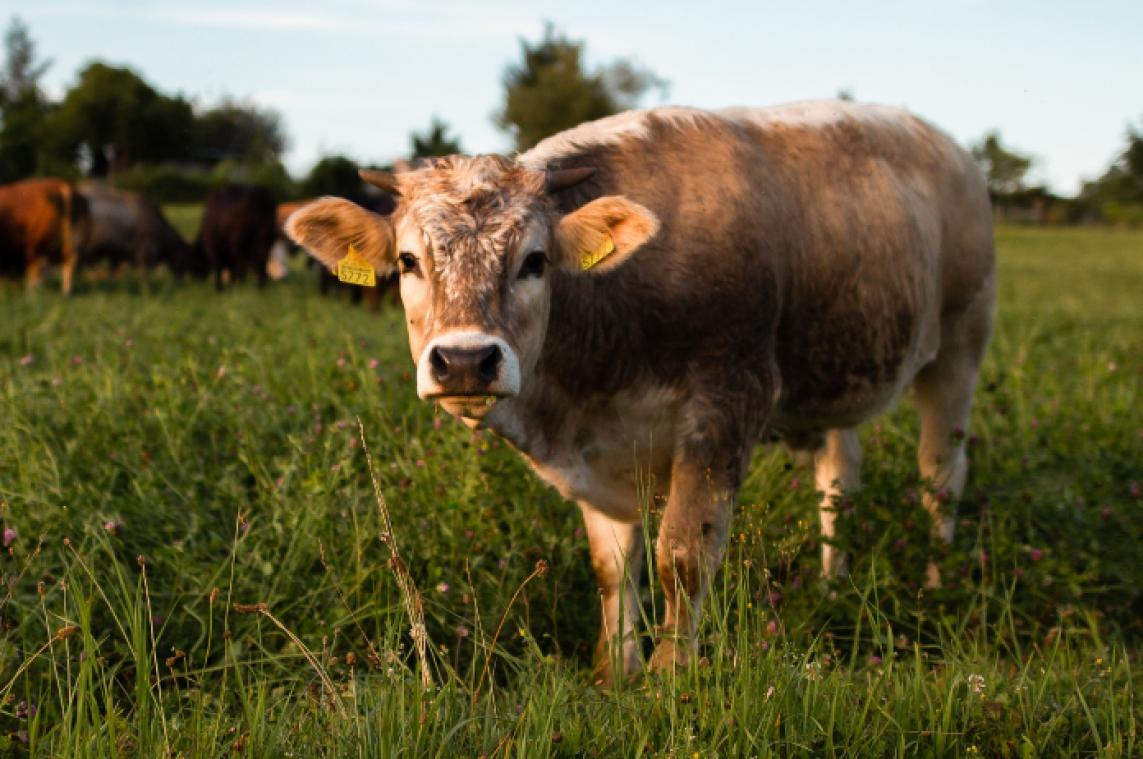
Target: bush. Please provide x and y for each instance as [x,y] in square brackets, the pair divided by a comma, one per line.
[167,183]
[1120,214]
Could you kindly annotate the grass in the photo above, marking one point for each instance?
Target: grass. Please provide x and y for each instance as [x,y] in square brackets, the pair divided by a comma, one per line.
[185,218]
[196,562]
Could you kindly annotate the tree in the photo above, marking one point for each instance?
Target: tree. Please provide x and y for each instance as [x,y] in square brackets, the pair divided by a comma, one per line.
[238,132]
[435,142]
[1004,169]
[1130,166]
[21,74]
[22,104]
[1120,189]
[549,90]
[333,175]
[115,119]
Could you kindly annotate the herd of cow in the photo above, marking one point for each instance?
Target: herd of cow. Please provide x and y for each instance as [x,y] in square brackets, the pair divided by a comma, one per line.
[48,222]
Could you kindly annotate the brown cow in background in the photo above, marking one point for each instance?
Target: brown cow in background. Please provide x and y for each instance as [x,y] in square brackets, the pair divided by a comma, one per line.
[238,229]
[42,222]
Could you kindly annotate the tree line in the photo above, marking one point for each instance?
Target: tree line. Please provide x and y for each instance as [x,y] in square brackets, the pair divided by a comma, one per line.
[113,124]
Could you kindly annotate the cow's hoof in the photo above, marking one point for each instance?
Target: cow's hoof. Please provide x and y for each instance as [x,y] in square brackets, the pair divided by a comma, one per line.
[603,675]
[605,678]
[669,655]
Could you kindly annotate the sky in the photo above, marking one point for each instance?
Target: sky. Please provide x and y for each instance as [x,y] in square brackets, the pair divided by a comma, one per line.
[1059,80]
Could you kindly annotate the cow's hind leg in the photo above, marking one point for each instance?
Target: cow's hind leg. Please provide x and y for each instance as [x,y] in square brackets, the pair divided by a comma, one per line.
[617,557]
[837,470]
[944,391]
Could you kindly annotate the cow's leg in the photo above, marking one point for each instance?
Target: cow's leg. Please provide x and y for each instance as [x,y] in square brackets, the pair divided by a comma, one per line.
[837,469]
[617,557]
[944,391]
[32,273]
[67,273]
[688,551]
[717,432]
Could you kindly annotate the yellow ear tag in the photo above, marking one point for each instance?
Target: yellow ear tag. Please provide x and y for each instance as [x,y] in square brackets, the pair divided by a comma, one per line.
[356,270]
[592,257]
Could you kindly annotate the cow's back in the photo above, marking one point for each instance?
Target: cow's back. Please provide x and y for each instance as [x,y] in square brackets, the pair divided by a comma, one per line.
[892,231]
[830,235]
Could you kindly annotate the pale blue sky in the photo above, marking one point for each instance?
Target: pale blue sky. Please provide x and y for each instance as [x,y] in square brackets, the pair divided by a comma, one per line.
[1061,80]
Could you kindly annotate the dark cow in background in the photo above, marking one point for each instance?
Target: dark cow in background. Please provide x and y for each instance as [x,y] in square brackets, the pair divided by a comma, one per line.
[128,229]
[238,229]
[42,222]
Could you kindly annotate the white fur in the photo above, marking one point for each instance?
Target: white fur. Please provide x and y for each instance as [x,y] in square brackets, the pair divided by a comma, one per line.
[635,124]
[608,131]
[817,113]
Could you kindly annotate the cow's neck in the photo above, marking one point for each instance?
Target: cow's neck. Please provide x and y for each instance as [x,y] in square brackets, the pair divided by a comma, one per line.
[593,351]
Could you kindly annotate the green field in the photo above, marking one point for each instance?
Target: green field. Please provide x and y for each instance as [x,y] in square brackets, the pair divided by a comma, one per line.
[194,563]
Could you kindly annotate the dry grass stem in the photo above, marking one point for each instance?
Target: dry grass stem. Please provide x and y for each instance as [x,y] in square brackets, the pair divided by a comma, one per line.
[411,597]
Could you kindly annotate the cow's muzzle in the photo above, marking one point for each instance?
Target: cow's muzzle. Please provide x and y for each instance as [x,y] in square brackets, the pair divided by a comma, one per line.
[465,371]
[460,368]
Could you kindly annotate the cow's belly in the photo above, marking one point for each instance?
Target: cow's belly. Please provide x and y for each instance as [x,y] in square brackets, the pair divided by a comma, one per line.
[846,386]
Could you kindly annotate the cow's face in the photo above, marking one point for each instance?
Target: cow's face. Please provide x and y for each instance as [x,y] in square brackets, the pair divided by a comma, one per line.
[476,241]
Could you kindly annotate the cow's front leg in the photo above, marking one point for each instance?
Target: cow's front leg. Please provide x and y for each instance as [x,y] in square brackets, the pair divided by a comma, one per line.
[617,557]
[690,546]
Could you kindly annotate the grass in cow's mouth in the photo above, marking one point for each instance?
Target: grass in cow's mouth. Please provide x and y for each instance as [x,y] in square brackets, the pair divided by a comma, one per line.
[216,438]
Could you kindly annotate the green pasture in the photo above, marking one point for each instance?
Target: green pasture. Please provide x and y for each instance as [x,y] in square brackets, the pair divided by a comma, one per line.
[196,563]
[185,218]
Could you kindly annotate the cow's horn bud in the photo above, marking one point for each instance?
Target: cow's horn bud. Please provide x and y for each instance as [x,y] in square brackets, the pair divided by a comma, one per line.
[382,179]
[561,179]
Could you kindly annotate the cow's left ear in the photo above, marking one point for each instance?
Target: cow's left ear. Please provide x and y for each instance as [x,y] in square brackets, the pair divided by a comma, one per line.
[603,234]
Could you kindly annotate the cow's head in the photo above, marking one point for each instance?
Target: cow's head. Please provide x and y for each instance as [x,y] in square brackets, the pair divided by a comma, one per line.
[475,241]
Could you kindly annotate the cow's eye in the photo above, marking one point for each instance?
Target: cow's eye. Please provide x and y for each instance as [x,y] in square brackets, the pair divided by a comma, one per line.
[408,263]
[534,265]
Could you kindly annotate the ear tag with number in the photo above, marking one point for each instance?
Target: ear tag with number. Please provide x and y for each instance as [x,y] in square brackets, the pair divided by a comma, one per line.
[356,270]
[592,257]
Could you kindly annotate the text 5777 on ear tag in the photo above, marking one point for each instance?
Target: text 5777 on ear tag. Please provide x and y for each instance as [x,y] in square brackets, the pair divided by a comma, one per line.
[355,270]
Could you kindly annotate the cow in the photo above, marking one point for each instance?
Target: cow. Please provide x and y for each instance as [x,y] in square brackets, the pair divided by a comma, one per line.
[636,302]
[239,226]
[126,228]
[42,222]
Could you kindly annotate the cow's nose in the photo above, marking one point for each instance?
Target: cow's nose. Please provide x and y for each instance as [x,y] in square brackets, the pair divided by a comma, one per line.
[465,371]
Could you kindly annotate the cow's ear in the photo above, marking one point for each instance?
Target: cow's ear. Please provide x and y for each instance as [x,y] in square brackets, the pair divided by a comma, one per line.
[327,227]
[603,234]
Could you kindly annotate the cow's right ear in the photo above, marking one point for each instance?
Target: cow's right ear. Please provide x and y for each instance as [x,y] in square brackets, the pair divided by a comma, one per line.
[327,227]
